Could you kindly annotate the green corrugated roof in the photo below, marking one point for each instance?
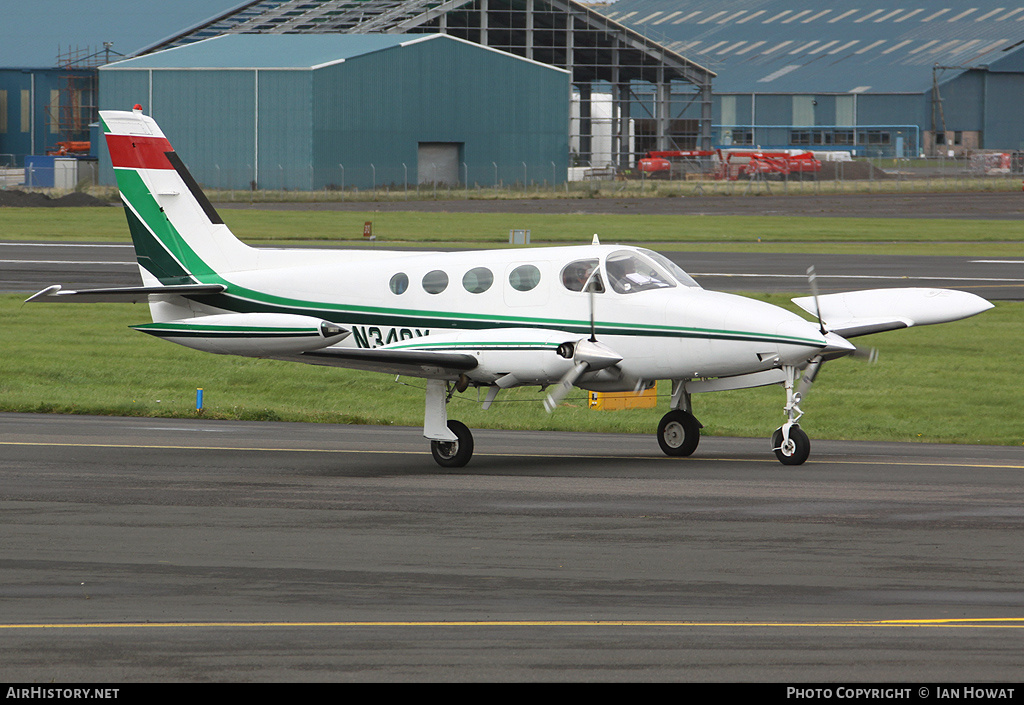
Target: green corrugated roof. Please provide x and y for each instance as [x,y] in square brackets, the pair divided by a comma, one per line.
[268,51]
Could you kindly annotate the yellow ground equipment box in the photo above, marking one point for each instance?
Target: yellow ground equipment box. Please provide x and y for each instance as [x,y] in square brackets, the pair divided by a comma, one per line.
[614,401]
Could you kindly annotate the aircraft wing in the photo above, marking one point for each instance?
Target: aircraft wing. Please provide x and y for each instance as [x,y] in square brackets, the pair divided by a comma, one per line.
[855,313]
[121,294]
[435,365]
[529,352]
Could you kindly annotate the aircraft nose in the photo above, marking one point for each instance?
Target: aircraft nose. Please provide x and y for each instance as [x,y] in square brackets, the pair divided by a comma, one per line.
[793,330]
[800,339]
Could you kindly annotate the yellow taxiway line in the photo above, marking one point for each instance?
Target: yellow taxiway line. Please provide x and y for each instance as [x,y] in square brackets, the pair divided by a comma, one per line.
[960,623]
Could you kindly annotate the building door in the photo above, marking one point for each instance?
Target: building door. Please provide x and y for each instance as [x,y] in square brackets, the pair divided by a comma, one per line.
[438,163]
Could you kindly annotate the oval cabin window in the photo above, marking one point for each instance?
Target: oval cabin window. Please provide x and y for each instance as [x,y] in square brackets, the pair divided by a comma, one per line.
[478,280]
[399,283]
[524,277]
[435,282]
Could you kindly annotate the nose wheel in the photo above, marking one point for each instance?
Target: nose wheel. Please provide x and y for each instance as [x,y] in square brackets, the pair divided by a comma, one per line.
[792,448]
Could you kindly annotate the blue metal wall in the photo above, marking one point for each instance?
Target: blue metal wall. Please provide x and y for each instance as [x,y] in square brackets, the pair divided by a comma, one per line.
[28,95]
[359,122]
[510,115]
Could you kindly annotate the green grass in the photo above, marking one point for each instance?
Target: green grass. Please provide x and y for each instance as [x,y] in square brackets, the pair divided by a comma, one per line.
[956,383]
[952,383]
[665,232]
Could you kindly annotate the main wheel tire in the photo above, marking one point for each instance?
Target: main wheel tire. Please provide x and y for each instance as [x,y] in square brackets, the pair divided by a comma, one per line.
[678,433]
[454,454]
[798,449]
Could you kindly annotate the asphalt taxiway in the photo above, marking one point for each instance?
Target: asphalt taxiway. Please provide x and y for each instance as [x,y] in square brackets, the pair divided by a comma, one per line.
[195,550]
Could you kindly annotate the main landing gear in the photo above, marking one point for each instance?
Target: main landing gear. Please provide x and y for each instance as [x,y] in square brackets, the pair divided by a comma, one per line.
[451,443]
[454,454]
[679,430]
[679,433]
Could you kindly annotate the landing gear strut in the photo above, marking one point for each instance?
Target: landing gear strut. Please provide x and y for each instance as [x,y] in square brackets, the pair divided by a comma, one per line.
[451,443]
[790,443]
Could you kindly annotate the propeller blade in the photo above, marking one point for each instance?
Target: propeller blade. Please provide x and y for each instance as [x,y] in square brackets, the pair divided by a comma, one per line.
[807,378]
[812,279]
[593,328]
[564,386]
[869,354]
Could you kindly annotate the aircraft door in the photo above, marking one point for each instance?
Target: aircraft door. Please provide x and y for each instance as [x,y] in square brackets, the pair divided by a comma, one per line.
[527,284]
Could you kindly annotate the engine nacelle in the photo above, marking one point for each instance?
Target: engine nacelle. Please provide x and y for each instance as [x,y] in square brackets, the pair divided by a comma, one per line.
[249,334]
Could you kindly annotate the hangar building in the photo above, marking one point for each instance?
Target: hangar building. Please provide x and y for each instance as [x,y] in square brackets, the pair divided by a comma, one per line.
[645,86]
[339,111]
[871,77]
[627,88]
[49,52]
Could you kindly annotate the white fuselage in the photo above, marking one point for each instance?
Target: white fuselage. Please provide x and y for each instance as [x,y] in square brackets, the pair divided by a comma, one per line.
[513,307]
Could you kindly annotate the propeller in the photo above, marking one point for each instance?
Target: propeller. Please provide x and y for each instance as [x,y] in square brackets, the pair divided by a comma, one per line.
[812,279]
[587,355]
[814,366]
[870,354]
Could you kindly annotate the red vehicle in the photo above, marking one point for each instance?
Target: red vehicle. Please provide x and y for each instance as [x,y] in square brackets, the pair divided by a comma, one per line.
[729,164]
[736,163]
[666,165]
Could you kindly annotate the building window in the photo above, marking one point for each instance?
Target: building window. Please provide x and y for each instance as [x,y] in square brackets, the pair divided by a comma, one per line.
[875,137]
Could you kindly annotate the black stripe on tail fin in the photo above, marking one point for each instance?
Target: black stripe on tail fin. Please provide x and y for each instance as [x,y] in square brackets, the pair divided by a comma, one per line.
[193,187]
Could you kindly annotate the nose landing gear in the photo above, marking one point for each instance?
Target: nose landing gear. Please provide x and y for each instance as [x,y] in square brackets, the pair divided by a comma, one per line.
[790,443]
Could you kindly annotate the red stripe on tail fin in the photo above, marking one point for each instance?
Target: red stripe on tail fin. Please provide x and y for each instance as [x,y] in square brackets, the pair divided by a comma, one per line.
[138,152]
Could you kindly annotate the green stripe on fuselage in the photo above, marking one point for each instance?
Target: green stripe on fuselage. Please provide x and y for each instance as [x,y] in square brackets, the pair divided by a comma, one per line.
[163,251]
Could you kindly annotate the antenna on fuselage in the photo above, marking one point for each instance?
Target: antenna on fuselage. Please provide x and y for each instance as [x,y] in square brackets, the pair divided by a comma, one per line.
[595,241]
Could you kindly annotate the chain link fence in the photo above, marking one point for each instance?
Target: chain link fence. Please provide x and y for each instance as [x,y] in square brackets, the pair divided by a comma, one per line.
[359,182]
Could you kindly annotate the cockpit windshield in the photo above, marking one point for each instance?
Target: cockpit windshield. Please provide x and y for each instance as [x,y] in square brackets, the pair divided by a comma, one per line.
[629,273]
[674,269]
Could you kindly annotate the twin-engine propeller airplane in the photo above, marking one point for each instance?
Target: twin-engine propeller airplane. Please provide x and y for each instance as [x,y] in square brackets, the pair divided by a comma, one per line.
[598,317]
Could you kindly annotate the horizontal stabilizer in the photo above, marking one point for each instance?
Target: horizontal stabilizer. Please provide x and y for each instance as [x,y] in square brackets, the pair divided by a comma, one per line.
[854,313]
[123,294]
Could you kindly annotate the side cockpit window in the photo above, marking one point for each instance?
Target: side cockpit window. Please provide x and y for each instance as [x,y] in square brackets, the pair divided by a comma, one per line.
[629,273]
[582,275]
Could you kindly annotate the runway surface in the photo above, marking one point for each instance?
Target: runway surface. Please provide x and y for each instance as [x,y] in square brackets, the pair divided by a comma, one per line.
[192,550]
[29,267]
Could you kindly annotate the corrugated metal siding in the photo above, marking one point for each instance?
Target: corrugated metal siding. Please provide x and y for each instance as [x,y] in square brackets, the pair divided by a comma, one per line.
[375,109]
[208,116]
[285,130]
[1004,106]
[358,123]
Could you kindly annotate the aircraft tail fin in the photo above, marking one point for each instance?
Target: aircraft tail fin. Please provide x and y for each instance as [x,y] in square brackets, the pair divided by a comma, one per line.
[178,235]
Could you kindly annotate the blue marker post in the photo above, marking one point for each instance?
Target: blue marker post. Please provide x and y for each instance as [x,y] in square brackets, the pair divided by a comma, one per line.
[199,400]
